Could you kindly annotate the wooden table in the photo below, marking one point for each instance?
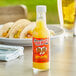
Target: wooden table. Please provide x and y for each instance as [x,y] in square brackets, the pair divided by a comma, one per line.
[63,61]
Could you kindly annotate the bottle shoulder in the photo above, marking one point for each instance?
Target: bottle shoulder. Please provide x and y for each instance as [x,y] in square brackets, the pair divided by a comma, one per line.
[41,32]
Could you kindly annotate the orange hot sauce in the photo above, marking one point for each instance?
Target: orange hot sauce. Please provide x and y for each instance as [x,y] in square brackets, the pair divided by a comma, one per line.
[41,41]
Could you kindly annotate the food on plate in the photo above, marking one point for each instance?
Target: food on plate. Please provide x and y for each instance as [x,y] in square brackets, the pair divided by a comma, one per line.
[5,29]
[52,33]
[22,28]
[18,28]
[27,31]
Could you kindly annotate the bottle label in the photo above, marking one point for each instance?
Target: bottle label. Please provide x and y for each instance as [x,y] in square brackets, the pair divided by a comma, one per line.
[40,50]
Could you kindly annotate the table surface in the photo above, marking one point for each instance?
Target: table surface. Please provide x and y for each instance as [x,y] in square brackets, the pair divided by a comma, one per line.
[62,61]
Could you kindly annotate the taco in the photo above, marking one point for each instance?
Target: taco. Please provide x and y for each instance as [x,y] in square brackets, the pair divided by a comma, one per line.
[5,29]
[27,32]
[52,33]
[18,27]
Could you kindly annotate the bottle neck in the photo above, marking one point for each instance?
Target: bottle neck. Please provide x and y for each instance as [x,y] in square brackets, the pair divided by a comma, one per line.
[41,16]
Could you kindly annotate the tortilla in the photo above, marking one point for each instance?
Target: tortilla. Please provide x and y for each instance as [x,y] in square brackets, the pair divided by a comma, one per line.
[28,31]
[52,33]
[18,27]
[5,29]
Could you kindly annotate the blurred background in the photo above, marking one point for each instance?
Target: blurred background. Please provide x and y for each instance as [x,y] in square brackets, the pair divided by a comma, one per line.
[52,13]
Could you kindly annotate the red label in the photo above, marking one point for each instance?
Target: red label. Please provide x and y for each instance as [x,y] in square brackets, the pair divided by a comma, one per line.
[40,50]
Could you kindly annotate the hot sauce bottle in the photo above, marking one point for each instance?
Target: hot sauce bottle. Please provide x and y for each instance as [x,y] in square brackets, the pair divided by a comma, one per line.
[41,41]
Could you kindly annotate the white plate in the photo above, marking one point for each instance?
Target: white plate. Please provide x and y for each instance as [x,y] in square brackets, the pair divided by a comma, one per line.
[28,42]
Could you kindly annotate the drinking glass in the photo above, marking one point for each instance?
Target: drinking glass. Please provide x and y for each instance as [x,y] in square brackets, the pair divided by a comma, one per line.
[66,10]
